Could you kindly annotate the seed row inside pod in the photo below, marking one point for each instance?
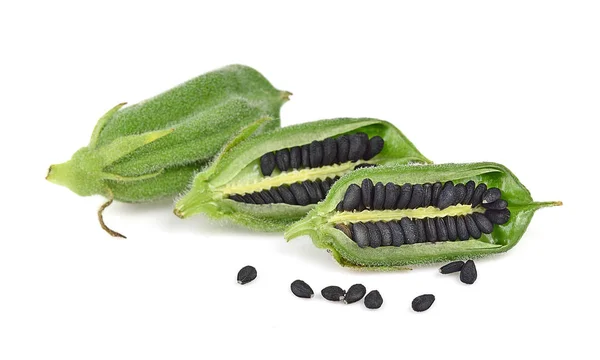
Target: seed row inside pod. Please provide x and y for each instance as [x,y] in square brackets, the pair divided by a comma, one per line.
[315,161]
[417,213]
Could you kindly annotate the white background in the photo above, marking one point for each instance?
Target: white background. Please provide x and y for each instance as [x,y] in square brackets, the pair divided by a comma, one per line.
[515,82]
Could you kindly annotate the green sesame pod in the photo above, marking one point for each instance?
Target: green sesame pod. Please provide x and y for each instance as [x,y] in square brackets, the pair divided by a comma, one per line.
[151,150]
[238,171]
[320,223]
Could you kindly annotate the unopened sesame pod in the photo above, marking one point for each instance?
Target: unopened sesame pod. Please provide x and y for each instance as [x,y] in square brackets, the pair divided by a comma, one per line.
[274,179]
[151,150]
[389,217]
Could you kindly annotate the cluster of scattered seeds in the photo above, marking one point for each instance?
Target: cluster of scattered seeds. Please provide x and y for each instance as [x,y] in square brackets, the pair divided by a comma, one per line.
[355,293]
[468,271]
[330,151]
[429,229]
[373,300]
[304,193]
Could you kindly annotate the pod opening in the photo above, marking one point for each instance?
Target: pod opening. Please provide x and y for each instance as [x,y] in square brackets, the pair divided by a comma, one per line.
[377,215]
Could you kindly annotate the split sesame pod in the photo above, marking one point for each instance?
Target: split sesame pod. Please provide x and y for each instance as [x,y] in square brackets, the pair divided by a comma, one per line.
[450,223]
[273,179]
[151,150]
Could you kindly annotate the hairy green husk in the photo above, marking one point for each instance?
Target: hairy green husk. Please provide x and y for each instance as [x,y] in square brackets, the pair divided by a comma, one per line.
[151,150]
[318,226]
[240,165]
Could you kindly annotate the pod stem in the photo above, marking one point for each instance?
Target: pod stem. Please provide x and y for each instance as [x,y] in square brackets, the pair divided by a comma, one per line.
[101,218]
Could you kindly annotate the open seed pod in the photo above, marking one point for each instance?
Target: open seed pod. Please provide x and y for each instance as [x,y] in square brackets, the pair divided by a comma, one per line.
[387,217]
[273,179]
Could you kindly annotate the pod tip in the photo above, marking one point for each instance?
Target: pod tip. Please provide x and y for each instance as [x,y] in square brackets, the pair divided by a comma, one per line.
[178,213]
[285,95]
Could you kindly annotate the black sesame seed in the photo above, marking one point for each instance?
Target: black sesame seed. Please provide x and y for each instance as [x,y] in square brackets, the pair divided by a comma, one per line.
[452,267]
[355,293]
[375,238]
[367,193]
[405,195]
[430,230]
[459,193]
[275,195]
[236,197]
[257,198]
[301,289]
[451,227]
[468,273]
[286,195]
[246,274]
[416,198]
[325,186]
[374,147]
[352,198]
[329,151]
[440,228]
[491,195]
[421,233]
[483,223]
[378,196]
[435,193]
[358,146]
[333,293]
[409,228]
[305,149]
[267,163]
[373,300]
[447,196]
[295,157]
[300,194]
[477,194]
[282,159]
[427,192]
[499,217]
[248,199]
[392,192]
[361,234]
[500,204]
[461,228]
[470,187]
[343,146]
[422,302]
[316,154]
[312,191]
[472,227]
[317,186]
[386,233]
[397,233]
[266,196]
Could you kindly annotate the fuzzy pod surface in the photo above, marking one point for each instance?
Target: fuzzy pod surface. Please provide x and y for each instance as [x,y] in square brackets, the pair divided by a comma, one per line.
[421,234]
[151,150]
[273,179]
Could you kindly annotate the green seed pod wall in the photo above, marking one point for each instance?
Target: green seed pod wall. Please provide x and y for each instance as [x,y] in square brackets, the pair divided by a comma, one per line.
[151,150]
[386,217]
[274,179]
